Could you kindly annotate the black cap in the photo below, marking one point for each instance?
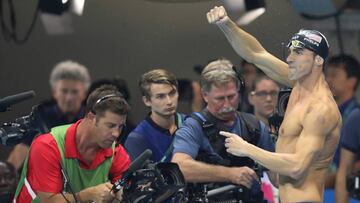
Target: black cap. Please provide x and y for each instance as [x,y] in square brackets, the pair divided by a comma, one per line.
[312,40]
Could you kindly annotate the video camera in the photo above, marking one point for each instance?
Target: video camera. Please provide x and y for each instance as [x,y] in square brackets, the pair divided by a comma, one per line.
[156,183]
[224,192]
[146,182]
[12,133]
[276,119]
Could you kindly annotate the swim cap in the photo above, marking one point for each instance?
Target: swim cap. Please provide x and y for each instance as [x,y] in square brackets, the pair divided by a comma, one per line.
[312,40]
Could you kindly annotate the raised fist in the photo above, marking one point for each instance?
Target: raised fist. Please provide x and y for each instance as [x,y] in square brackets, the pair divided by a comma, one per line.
[217,15]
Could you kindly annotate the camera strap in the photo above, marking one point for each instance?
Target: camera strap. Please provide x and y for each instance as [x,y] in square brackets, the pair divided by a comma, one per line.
[179,121]
[67,183]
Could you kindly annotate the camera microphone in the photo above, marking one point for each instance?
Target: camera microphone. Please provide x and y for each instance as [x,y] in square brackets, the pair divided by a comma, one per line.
[6,102]
[137,164]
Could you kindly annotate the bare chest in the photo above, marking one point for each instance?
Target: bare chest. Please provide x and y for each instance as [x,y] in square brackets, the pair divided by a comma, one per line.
[290,129]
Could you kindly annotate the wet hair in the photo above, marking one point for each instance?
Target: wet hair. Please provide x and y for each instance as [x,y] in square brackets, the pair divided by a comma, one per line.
[218,72]
[347,62]
[107,98]
[69,70]
[156,76]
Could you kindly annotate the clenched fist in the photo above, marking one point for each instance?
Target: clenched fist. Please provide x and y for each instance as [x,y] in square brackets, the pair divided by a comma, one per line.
[217,15]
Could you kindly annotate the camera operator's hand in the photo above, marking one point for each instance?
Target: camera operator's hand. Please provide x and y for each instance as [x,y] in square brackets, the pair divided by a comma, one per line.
[242,176]
[101,193]
[217,15]
[118,196]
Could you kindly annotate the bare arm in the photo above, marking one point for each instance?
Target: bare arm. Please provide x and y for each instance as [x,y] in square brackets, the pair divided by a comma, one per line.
[274,178]
[248,47]
[195,171]
[18,155]
[294,164]
[99,193]
[346,162]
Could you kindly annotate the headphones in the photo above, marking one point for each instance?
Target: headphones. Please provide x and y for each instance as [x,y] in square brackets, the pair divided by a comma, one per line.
[240,78]
[103,98]
[125,131]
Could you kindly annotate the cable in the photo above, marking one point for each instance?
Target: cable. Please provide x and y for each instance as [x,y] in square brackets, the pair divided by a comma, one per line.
[67,182]
[10,33]
[62,194]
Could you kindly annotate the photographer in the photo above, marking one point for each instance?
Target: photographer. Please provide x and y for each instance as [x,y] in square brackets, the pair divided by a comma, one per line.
[200,154]
[69,82]
[74,163]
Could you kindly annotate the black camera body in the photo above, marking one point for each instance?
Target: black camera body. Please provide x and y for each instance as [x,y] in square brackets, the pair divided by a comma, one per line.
[276,119]
[156,183]
[12,133]
[283,99]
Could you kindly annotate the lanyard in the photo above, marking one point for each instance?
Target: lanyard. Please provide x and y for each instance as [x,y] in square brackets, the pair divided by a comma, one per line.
[171,146]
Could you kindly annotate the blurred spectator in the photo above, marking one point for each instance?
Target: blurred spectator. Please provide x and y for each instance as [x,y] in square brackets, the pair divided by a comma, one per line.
[249,73]
[342,72]
[350,148]
[69,82]
[263,97]
[190,96]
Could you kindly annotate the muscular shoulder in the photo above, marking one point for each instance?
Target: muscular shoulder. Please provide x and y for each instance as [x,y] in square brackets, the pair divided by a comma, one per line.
[322,114]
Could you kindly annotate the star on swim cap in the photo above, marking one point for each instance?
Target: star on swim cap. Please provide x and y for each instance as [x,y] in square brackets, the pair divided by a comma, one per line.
[312,40]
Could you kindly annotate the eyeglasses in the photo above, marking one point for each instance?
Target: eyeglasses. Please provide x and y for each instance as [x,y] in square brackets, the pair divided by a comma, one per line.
[264,94]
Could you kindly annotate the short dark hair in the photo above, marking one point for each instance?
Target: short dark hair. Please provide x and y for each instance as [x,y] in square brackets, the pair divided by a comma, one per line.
[118,82]
[347,62]
[156,76]
[107,98]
